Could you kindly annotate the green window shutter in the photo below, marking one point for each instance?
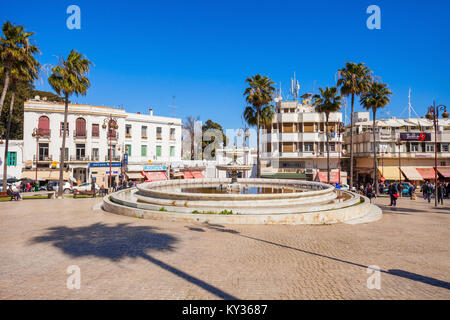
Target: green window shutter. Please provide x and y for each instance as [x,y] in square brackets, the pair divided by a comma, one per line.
[128,149]
[12,159]
[143,151]
[158,151]
[172,151]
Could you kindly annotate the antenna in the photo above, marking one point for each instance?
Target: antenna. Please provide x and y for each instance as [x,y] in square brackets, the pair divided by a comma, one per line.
[172,113]
[409,107]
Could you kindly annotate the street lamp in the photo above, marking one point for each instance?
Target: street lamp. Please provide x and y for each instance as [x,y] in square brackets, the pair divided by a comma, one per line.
[398,143]
[111,124]
[340,129]
[433,114]
[36,134]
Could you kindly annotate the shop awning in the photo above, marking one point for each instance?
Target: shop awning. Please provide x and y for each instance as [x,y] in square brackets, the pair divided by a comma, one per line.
[444,171]
[51,175]
[411,173]
[154,175]
[427,173]
[134,175]
[389,173]
[198,175]
[334,177]
[188,175]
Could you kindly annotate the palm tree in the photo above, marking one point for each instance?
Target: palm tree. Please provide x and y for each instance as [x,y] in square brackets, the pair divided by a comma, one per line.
[15,49]
[376,98]
[259,95]
[69,77]
[27,71]
[327,102]
[354,80]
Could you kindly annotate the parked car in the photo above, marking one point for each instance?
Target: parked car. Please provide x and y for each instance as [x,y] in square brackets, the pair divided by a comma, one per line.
[14,187]
[86,187]
[67,187]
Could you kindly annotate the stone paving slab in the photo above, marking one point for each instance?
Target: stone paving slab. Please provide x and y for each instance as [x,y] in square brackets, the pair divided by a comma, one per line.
[128,258]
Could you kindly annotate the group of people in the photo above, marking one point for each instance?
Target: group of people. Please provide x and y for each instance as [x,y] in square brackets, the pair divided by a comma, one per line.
[28,186]
[441,191]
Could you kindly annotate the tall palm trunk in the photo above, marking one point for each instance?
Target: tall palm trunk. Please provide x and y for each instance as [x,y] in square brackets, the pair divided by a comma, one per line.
[351,143]
[258,160]
[5,88]
[8,130]
[375,164]
[63,148]
[328,150]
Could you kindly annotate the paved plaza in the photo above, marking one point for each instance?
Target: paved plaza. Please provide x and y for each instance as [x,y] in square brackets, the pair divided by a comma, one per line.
[128,258]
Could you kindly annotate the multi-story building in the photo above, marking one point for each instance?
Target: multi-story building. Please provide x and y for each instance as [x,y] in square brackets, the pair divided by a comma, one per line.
[14,159]
[95,136]
[294,144]
[405,148]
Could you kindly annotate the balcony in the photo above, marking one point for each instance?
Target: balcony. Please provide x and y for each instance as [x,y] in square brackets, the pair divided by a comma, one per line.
[144,136]
[43,133]
[113,135]
[43,158]
[128,135]
[113,158]
[79,134]
[95,158]
[79,158]
[172,137]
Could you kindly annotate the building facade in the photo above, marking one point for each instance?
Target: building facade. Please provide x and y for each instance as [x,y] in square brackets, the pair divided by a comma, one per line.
[14,158]
[294,143]
[97,138]
[405,148]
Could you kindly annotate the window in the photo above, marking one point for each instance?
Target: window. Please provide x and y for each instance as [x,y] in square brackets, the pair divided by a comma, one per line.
[430,147]
[309,147]
[43,151]
[44,126]
[12,159]
[95,130]
[172,133]
[308,127]
[95,155]
[414,147]
[143,151]
[128,149]
[332,147]
[158,151]
[172,151]
[128,130]
[444,147]
[66,153]
[61,129]
[80,127]
[158,133]
[80,151]
[144,132]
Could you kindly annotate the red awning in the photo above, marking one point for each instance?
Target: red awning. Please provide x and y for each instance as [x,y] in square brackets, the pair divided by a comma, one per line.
[198,175]
[427,173]
[334,177]
[154,175]
[444,171]
[188,175]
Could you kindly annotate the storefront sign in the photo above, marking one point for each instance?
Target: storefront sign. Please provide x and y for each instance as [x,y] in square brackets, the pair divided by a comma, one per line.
[104,164]
[415,136]
[155,167]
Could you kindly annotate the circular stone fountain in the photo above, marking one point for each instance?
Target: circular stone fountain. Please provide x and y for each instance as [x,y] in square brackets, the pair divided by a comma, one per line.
[242,201]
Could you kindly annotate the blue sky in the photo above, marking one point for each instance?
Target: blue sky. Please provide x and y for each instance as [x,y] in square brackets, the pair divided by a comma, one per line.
[145,52]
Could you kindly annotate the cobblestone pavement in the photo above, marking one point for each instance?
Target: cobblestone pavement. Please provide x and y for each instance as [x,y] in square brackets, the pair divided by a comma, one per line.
[128,258]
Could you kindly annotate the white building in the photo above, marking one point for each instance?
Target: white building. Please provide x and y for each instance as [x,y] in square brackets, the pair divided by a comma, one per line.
[294,144]
[14,158]
[93,133]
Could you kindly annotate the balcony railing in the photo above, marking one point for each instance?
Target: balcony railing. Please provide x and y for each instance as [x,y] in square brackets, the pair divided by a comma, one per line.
[44,132]
[144,136]
[113,158]
[79,133]
[95,158]
[79,158]
[113,135]
[43,158]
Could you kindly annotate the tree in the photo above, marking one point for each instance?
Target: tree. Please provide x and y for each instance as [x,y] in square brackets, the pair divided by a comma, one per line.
[259,95]
[376,98]
[67,78]
[353,80]
[23,67]
[327,102]
[189,126]
[15,49]
[212,130]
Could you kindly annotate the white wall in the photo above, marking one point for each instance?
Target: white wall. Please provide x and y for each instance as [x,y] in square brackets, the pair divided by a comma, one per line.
[14,146]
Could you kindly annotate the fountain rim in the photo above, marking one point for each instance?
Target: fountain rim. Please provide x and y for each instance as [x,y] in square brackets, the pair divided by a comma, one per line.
[146,189]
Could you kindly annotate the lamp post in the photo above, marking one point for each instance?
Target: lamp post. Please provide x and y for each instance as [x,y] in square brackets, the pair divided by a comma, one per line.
[36,134]
[340,129]
[433,114]
[399,144]
[111,124]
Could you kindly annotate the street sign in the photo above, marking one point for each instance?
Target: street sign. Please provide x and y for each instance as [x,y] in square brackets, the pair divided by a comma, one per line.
[415,136]
[155,167]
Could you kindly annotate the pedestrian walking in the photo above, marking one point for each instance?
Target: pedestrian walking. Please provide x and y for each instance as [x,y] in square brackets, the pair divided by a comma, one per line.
[440,191]
[428,191]
[393,193]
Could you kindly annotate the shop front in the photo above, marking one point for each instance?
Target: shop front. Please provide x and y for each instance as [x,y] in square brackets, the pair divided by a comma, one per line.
[101,172]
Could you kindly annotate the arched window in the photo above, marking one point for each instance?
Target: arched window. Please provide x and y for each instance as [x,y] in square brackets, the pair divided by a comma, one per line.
[80,127]
[44,126]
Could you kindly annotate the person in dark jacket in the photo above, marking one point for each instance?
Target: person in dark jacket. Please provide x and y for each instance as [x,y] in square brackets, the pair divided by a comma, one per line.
[440,191]
[393,193]
[428,191]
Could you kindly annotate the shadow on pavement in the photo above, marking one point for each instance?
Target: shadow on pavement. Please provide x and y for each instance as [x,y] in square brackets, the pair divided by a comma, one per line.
[119,242]
[395,272]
